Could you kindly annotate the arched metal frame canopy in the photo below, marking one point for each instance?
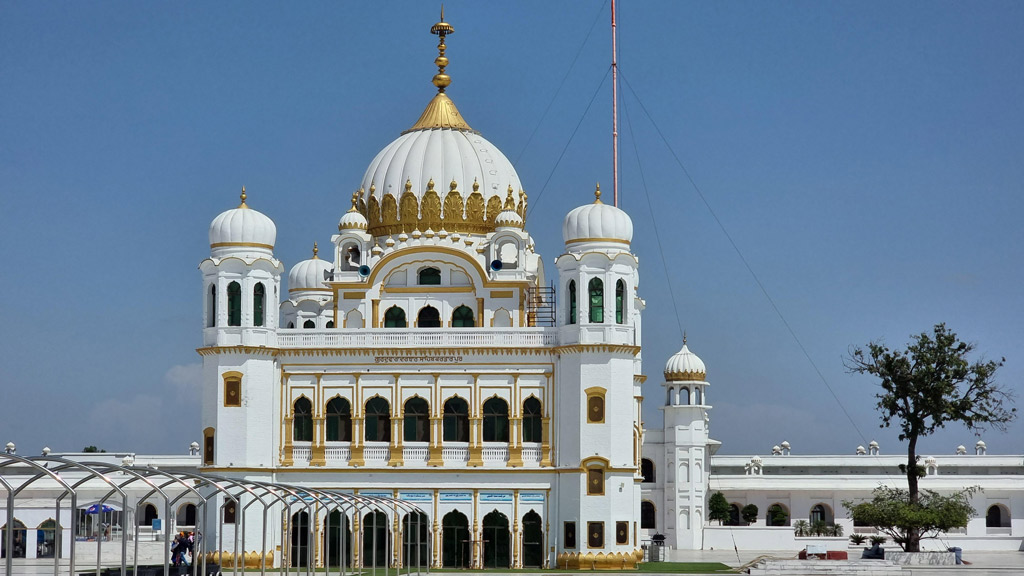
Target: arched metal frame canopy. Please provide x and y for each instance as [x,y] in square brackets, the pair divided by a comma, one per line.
[138,485]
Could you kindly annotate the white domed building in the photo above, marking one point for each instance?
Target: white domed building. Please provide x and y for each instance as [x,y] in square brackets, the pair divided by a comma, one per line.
[426,357]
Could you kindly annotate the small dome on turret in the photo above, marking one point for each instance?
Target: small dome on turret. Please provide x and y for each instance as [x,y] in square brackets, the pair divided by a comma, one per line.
[353,219]
[685,366]
[308,275]
[508,217]
[242,229]
[597,223]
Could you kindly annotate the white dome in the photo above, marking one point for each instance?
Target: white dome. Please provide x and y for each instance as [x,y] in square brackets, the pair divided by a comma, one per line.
[685,366]
[352,220]
[242,229]
[597,223]
[309,274]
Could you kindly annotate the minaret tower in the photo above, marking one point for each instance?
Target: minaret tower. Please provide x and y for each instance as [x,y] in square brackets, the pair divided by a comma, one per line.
[597,388]
[686,449]
[241,287]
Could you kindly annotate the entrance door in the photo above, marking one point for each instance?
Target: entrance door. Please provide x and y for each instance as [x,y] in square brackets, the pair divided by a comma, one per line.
[375,540]
[300,539]
[415,544]
[533,540]
[497,545]
[455,540]
[337,539]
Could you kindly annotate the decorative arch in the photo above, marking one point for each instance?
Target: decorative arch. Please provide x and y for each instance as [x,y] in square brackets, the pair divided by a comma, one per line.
[208,446]
[821,512]
[428,317]
[777,515]
[495,416]
[455,420]
[648,515]
[354,319]
[149,513]
[571,289]
[997,516]
[594,469]
[211,301]
[462,317]
[394,317]
[259,301]
[428,276]
[502,318]
[186,515]
[416,425]
[533,420]
[377,420]
[620,298]
[595,289]
[309,325]
[234,304]
[647,470]
[302,419]
[338,417]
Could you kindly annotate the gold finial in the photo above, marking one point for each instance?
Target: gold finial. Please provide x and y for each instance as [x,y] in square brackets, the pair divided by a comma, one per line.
[684,337]
[453,186]
[430,184]
[355,200]
[510,204]
[243,197]
[315,250]
[373,188]
[597,194]
[408,184]
[441,29]
[476,185]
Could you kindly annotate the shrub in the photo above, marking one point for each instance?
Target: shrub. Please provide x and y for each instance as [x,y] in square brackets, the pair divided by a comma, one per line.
[858,539]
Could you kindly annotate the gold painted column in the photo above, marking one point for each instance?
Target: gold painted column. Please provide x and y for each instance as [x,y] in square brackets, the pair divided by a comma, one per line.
[286,459]
[357,540]
[436,546]
[397,415]
[476,554]
[545,443]
[318,452]
[517,537]
[479,312]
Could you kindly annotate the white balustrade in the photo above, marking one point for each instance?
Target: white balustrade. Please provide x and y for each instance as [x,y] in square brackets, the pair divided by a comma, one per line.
[376,453]
[415,455]
[337,454]
[494,453]
[302,453]
[455,452]
[418,338]
[531,453]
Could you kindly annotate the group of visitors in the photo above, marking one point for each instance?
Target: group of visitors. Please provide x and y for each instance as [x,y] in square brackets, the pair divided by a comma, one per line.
[182,548]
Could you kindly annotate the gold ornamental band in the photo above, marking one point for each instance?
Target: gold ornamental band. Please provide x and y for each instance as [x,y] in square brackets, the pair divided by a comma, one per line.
[613,240]
[241,245]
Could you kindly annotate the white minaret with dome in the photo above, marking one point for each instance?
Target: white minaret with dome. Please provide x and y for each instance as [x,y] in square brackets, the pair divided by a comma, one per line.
[687,447]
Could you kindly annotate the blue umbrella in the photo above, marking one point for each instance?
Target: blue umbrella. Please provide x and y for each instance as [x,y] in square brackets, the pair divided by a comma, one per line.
[95,509]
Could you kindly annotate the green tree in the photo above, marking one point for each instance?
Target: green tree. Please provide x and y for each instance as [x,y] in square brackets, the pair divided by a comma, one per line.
[924,387]
[718,508]
[92,449]
[891,512]
[749,513]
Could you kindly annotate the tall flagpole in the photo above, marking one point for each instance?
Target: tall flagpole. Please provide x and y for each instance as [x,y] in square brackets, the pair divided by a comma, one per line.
[615,115]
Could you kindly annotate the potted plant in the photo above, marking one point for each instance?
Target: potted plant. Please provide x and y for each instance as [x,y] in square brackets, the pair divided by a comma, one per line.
[858,539]
[802,528]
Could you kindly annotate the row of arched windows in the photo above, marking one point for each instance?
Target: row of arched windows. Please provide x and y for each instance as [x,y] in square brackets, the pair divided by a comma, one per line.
[429,317]
[259,301]
[416,422]
[595,292]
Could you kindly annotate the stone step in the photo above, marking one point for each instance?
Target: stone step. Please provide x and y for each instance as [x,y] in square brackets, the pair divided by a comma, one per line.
[827,567]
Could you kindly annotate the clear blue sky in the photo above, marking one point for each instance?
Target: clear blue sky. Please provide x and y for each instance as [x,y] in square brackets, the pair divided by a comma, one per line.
[865,157]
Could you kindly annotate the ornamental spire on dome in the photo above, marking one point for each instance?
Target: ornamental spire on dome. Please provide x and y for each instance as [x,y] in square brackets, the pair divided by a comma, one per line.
[597,194]
[315,250]
[243,197]
[441,111]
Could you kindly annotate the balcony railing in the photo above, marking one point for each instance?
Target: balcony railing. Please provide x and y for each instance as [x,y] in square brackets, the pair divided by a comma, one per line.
[414,455]
[455,454]
[336,455]
[531,453]
[418,338]
[376,453]
[494,453]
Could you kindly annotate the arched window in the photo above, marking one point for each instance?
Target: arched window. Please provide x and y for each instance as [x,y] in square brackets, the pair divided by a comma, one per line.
[234,304]
[495,420]
[620,294]
[377,420]
[394,318]
[596,289]
[259,297]
[291,325]
[684,396]
[821,513]
[149,514]
[428,317]
[330,324]
[339,420]
[462,317]
[417,420]
[208,446]
[697,395]
[211,320]
[455,422]
[302,420]
[186,515]
[430,276]
[595,405]
[230,513]
[734,515]
[648,515]
[647,469]
[533,420]
[997,517]
[572,301]
[777,515]
[309,324]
